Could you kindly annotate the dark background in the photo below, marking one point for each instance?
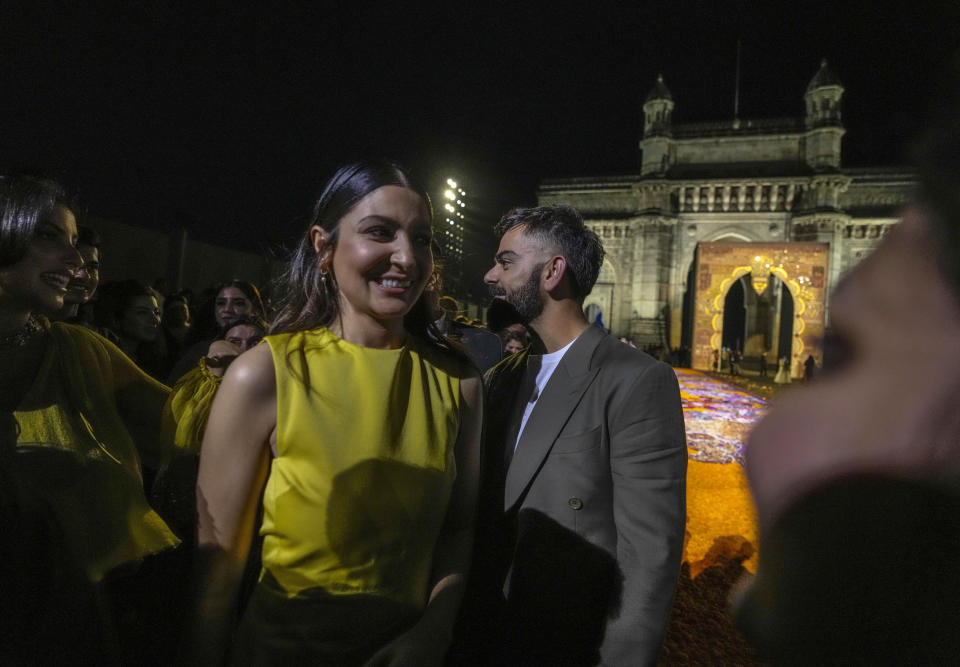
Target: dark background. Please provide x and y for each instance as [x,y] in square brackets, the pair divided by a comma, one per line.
[228,119]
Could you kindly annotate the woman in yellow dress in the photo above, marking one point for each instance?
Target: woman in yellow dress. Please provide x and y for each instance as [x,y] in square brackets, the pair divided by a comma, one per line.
[360,426]
[79,418]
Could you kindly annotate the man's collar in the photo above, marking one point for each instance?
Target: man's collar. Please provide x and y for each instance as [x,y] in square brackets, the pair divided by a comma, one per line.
[577,359]
[548,326]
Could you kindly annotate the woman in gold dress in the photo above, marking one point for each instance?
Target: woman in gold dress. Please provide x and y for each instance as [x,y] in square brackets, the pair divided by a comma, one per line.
[79,419]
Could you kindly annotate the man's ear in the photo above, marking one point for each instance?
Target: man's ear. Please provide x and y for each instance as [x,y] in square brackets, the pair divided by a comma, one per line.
[320,240]
[554,270]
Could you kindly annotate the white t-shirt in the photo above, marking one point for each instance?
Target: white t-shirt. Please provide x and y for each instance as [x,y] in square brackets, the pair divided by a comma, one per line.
[543,365]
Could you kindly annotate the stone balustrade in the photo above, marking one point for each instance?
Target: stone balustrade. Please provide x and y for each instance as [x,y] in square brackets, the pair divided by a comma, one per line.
[748,196]
[871,231]
[738,127]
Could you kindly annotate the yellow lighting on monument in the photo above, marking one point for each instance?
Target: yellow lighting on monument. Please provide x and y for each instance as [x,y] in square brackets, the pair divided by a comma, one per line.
[449,194]
[452,183]
[449,207]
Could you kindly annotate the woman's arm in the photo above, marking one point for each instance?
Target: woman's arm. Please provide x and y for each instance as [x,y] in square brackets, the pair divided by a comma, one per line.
[234,462]
[220,355]
[428,641]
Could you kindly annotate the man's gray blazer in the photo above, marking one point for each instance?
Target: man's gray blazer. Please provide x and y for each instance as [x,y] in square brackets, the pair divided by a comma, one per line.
[591,526]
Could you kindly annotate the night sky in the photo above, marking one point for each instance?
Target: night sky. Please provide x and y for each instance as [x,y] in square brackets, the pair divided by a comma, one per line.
[228,121]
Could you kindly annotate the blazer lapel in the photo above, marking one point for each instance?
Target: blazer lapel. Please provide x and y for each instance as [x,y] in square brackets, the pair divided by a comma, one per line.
[560,398]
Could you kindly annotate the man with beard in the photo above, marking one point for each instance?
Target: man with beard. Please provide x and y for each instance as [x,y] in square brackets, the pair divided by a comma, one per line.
[585,465]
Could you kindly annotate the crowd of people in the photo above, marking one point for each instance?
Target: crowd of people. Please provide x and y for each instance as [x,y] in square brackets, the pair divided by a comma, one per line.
[165,334]
[138,473]
[350,473]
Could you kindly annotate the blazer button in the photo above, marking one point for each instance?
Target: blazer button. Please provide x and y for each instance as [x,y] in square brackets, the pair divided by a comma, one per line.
[575,503]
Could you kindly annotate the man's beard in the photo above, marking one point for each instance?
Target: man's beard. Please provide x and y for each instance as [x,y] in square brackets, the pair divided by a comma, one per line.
[526,300]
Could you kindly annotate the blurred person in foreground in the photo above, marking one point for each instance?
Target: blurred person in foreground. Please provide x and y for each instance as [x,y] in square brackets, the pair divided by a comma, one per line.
[856,475]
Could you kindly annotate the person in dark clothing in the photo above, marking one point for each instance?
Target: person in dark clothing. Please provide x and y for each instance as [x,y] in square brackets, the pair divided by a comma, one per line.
[129,309]
[583,498]
[483,346]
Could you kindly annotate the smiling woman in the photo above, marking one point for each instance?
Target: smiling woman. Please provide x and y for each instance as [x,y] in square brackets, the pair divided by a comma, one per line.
[41,261]
[78,418]
[372,209]
[372,421]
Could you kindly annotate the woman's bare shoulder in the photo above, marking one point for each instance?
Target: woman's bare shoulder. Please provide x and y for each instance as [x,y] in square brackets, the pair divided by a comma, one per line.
[252,373]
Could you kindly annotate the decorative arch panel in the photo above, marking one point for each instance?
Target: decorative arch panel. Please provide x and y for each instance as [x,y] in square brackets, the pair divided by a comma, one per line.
[801,266]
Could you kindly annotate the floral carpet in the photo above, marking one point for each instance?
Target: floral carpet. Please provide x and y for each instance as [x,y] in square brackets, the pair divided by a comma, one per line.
[721,519]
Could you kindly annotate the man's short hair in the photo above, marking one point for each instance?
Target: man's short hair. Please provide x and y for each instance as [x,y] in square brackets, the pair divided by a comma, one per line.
[562,227]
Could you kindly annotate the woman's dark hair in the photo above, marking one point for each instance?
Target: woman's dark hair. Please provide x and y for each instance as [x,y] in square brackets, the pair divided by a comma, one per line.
[562,227]
[249,290]
[176,297]
[170,302]
[247,320]
[307,301]
[520,337]
[24,202]
[204,321]
[116,297]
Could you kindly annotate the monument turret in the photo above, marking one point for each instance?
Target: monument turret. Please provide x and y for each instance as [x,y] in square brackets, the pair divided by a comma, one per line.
[657,142]
[823,120]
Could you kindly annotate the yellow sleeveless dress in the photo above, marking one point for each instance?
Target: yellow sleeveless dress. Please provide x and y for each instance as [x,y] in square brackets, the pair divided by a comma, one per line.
[355,498]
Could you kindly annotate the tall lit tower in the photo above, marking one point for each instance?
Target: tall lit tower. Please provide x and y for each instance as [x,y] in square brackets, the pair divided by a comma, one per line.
[450,220]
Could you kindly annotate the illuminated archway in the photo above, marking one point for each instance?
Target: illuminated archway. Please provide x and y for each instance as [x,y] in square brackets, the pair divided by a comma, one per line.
[802,267]
[758,322]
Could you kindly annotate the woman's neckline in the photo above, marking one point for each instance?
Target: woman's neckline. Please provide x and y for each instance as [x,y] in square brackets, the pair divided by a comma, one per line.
[403,345]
